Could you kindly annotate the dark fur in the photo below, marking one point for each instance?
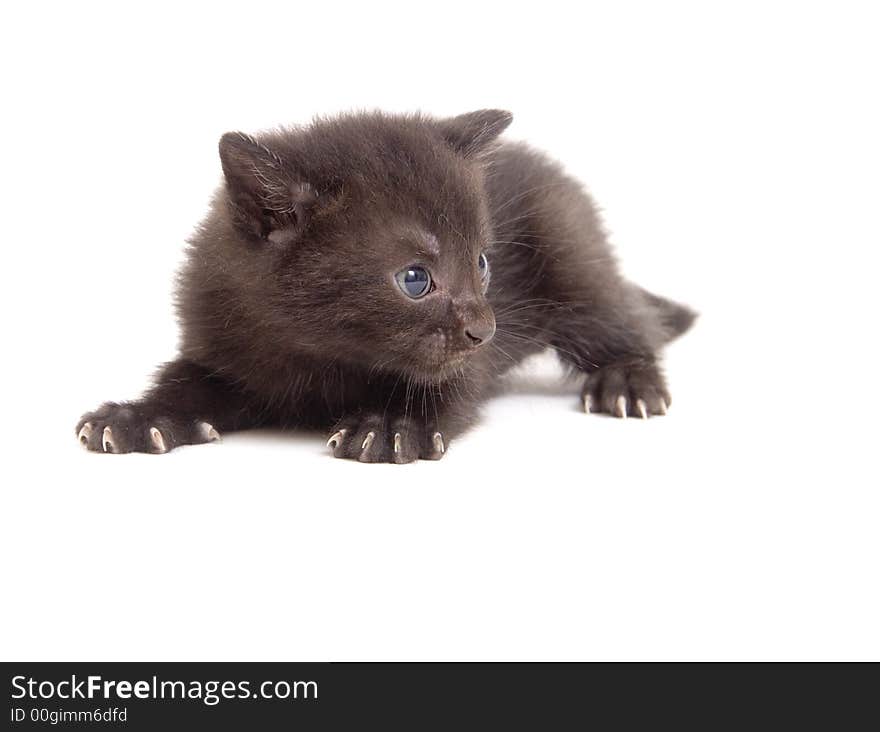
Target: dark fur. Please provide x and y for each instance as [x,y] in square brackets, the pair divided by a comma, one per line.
[291,315]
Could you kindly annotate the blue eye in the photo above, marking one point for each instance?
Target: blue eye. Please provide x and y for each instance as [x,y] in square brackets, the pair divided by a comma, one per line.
[414,281]
[483,266]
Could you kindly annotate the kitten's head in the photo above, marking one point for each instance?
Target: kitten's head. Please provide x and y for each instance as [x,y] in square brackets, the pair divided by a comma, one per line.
[368,237]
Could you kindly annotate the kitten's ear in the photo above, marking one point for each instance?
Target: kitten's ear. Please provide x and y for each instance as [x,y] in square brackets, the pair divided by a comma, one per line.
[265,198]
[470,133]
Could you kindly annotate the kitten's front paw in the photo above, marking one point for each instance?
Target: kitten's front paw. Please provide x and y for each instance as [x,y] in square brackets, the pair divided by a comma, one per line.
[637,390]
[119,428]
[373,438]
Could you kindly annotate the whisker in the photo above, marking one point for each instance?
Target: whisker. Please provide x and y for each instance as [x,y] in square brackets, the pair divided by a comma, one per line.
[543,344]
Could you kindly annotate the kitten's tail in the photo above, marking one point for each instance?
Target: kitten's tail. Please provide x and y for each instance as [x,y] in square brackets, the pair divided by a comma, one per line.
[675,318]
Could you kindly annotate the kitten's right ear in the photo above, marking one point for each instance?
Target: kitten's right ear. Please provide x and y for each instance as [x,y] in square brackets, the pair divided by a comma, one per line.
[266,199]
[470,133]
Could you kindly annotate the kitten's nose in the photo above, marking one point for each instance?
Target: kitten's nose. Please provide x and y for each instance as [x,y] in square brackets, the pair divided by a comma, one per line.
[480,331]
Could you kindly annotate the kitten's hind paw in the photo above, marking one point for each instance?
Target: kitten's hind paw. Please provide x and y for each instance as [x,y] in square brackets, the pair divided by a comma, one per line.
[121,428]
[635,390]
[375,439]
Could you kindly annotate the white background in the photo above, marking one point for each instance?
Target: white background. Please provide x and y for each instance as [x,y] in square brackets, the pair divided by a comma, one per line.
[734,150]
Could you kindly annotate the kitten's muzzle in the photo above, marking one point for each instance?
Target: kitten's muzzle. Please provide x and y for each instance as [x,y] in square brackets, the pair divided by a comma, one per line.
[479,332]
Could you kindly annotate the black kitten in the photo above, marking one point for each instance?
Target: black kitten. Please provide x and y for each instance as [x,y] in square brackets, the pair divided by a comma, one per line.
[374,274]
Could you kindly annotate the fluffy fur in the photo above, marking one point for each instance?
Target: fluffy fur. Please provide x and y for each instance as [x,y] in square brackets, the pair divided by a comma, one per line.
[291,314]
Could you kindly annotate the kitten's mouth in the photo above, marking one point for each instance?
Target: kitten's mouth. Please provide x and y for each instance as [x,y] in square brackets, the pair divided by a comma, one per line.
[437,361]
[453,364]
[439,372]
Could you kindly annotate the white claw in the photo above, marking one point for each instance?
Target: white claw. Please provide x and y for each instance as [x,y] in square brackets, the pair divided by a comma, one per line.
[588,403]
[85,433]
[107,439]
[208,432]
[335,438]
[621,406]
[157,440]
[368,440]
[438,443]
[642,407]
[397,442]
[663,406]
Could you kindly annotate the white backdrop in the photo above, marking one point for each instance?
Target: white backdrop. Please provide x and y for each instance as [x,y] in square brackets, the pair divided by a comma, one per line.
[734,150]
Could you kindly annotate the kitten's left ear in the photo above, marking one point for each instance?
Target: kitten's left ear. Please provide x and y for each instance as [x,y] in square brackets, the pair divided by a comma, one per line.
[266,199]
[470,133]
